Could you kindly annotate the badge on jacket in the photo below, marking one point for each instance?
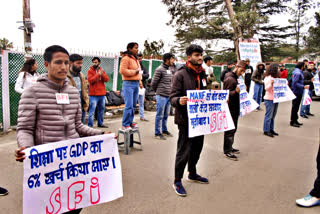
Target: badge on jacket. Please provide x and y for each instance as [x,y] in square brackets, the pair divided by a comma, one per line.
[168,72]
[204,82]
[62,98]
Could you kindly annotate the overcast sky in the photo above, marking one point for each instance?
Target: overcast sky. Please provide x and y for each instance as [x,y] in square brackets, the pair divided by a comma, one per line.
[100,25]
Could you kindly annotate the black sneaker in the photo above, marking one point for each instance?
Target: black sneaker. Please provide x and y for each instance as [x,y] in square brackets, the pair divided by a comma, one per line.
[159,137]
[269,134]
[198,179]
[231,156]
[167,134]
[304,116]
[300,124]
[3,191]
[274,133]
[179,189]
[235,151]
[103,126]
[309,114]
[294,124]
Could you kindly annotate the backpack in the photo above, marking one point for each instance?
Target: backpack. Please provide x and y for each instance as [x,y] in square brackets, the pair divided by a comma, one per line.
[114,99]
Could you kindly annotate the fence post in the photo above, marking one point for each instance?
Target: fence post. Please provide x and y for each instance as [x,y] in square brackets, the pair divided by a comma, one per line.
[115,73]
[5,91]
[150,68]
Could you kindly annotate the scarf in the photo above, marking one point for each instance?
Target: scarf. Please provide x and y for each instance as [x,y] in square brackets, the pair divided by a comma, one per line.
[196,73]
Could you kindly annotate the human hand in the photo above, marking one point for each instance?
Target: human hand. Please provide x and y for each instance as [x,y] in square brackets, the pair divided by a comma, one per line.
[238,89]
[19,154]
[137,70]
[183,100]
[110,132]
[306,86]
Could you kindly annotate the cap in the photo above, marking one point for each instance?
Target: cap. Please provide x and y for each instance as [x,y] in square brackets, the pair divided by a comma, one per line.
[311,62]
[241,64]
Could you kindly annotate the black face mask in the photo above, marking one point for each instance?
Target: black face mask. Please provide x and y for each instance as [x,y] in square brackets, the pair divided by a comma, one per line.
[95,66]
[281,69]
[75,69]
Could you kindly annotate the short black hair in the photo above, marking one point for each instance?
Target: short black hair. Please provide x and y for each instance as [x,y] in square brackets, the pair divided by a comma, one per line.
[75,57]
[131,45]
[207,58]
[230,63]
[305,60]
[140,55]
[194,48]
[96,58]
[300,65]
[47,56]
[167,56]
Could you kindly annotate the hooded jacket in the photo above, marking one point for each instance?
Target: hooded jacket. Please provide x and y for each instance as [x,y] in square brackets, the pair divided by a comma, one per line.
[84,89]
[257,75]
[41,120]
[96,81]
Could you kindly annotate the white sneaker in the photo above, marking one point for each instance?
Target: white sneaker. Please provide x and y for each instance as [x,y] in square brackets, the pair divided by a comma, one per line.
[108,114]
[308,201]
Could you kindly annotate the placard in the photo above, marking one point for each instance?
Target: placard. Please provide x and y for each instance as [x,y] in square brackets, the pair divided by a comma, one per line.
[281,91]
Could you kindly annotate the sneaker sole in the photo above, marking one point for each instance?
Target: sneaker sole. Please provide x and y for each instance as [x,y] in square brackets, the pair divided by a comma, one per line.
[3,194]
[182,195]
[313,205]
[234,159]
[196,181]
[159,138]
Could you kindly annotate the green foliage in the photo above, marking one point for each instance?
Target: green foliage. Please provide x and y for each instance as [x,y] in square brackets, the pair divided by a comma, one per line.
[226,56]
[5,44]
[312,40]
[153,49]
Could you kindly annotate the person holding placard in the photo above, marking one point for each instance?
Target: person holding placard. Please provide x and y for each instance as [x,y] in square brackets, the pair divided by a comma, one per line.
[231,83]
[190,76]
[257,78]
[271,108]
[307,80]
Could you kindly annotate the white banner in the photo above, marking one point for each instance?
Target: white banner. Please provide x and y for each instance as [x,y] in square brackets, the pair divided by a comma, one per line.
[250,48]
[281,91]
[208,112]
[71,174]
[316,84]
[306,98]
[247,103]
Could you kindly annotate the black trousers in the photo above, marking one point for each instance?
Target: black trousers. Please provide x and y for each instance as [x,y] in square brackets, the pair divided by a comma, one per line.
[188,151]
[295,108]
[316,189]
[229,135]
[77,211]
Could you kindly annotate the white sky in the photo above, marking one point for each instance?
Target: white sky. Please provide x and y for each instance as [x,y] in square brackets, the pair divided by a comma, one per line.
[99,25]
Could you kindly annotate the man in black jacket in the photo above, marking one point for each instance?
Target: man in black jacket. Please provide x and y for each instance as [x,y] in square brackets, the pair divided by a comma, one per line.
[189,77]
[227,70]
[248,74]
[307,80]
[231,83]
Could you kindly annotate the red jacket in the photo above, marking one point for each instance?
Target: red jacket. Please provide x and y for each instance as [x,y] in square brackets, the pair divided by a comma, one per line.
[96,82]
[284,74]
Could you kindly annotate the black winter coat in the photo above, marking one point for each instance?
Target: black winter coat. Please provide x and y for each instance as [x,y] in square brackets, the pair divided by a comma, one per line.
[230,83]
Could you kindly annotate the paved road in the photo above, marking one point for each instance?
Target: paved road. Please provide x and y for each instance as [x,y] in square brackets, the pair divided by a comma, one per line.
[269,176]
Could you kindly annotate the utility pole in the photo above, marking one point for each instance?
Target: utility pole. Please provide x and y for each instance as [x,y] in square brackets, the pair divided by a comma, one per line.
[27,27]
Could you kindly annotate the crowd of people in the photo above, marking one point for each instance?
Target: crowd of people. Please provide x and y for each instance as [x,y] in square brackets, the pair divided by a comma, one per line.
[63,117]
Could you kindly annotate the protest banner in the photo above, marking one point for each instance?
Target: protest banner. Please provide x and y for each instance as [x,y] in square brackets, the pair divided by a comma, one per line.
[316,84]
[247,103]
[250,49]
[208,112]
[306,97]
[281,91]
[71,174]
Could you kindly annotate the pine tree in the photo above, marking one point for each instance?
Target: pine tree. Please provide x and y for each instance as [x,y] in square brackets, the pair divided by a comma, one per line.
[312,40]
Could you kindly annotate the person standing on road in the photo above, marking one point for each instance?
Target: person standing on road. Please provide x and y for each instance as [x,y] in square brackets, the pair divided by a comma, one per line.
[248,74]
[191,76]
[97,92]
[161,84]
[227,70]
[28,75]
[54,120]
[307,80]
[231,83]
[283,72]
[271,108]
[145,76]
[78,80]
[257,78]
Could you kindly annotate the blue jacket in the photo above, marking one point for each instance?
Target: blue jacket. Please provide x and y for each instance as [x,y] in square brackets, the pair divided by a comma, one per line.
[297,81]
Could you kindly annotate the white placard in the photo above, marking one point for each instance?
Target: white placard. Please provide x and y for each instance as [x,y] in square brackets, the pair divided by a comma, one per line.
[71,174]
[142,91]
[306,98]
[316,84]
[208,112]
[247,103]
[250,48]
[281,91]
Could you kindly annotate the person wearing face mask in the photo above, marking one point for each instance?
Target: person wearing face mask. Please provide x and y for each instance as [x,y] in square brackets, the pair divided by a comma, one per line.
[97,92]
[283,72]
[78,80]
[27,76]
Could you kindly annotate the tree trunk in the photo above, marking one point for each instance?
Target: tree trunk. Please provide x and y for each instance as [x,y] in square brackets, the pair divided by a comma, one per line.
[26,19]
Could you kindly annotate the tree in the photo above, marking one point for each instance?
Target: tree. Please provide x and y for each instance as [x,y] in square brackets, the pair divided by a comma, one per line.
[5,44]
[312,40]
[206,20]
[153,49]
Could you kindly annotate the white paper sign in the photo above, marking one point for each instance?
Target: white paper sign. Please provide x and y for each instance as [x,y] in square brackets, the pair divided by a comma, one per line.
[247,103]
[316,84]
[142,91]
[250,49]
[306,97]
[208,112]
[71,174]
[281,91]
[62,98]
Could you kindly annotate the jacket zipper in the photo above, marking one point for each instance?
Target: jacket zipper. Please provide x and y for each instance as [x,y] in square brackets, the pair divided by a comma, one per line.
[65,124]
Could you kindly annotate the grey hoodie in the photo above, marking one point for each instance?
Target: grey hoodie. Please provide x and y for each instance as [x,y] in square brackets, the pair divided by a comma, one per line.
[257,75]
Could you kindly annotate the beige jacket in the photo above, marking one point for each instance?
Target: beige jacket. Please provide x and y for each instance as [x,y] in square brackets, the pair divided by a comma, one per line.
[41,120]
[84,89]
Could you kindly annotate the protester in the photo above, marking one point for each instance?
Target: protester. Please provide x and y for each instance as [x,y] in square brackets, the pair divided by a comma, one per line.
[227,70]
[145,76]
[208,62]
[97,91]
[191,76]
[307,80]
[161,84]
[131,75]
[283,72]
[78,80]
[231,83]
[306,62]
[3,191]
[248,74]
[27,75]
[297,88]
[257,78]
[271,108]
[313,198]
[52,121]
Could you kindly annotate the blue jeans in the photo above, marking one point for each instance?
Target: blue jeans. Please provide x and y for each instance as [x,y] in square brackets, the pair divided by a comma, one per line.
[271,112]
[99,102]
[141,105]
[257,94]
[130,90]
[305,109]
[163,108]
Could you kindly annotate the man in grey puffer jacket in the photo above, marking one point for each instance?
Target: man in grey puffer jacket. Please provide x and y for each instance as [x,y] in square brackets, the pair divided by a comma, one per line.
[161,84]
[50,110]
